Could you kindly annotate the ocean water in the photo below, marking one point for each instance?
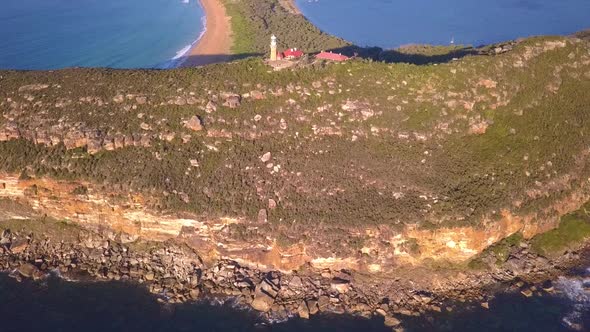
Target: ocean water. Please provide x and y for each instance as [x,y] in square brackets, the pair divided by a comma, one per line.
[58,305]
[393,23]
[51,34]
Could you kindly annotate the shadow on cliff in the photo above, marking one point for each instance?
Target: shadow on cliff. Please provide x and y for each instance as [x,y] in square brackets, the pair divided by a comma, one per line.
[209,59]
[417,55]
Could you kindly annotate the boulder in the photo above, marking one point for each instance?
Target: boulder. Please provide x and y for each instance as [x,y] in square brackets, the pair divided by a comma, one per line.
[262,302]
[264,296]
[527,292]
[118,99]
[339,285]
[312,306]
[232,101]
[211,107]
[149,276]
[194,293]
[27,270]
[194,123]
[323,303]
[256,94]
[295,282]
[303,310]
[18,246]
[391,321]
[266,157]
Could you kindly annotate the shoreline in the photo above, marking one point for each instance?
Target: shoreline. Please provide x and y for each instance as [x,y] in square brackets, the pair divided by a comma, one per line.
[291,7]
[76,254]
[214,42]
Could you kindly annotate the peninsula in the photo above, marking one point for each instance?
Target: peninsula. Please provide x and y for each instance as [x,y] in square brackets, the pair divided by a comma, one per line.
[372,188]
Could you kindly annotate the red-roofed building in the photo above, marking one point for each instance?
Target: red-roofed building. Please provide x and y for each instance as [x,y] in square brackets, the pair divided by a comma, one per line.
[292,54]
[331,56]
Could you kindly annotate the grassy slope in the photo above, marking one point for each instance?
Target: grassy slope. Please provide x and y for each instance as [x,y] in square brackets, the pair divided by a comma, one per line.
[413,160]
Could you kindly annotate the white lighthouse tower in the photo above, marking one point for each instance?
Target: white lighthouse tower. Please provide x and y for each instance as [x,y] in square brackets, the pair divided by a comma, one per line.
[273,48]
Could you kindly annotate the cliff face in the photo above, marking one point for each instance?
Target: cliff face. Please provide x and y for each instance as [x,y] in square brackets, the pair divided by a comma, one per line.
[365,166]
[130,216]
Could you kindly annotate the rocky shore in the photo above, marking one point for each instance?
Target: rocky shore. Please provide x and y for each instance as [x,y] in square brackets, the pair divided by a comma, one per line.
[176,274]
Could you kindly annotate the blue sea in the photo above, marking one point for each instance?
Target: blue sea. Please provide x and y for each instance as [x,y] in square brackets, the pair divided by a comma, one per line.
[394,23]
[50,34]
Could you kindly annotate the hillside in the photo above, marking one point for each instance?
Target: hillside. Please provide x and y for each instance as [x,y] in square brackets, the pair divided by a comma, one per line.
[337,158]
[254,21]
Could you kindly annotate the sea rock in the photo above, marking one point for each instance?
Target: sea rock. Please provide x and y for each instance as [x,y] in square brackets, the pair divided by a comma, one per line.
[149,276]
[527,292]
[323,303]
[312,306]
[194,293]
[262,301]
[264,295]
[27,270]
[303,310]
[391,321]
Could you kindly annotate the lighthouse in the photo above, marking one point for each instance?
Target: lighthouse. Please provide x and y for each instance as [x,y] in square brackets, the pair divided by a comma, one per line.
[273,48]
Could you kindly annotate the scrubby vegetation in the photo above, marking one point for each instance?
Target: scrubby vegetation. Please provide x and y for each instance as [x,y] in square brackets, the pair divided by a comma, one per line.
[499,252]
[572,231]
[351,144]
[254,21]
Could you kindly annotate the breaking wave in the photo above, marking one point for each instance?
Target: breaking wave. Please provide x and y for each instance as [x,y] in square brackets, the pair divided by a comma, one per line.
[576,290]
[182,55]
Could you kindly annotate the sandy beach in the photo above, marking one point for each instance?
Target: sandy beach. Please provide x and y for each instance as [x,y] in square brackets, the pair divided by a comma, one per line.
[215,44]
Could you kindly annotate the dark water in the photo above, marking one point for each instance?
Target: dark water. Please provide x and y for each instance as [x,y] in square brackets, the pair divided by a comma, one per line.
[57,305]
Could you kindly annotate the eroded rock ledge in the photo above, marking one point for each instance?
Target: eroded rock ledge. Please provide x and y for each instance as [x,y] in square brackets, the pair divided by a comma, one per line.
[176,273]
[384,252]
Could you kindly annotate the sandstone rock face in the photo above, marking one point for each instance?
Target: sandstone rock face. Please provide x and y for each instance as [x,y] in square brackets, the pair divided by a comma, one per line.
[194,123]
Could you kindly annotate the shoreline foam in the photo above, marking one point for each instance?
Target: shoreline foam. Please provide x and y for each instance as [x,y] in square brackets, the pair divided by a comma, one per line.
[214,43]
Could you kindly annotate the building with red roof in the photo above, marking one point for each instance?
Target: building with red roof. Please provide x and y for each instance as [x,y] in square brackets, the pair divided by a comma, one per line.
[292,54]
[331,56]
